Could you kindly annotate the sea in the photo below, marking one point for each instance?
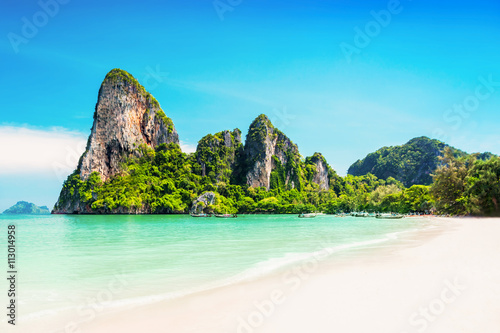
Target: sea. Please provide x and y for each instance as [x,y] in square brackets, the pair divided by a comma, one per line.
[81,264]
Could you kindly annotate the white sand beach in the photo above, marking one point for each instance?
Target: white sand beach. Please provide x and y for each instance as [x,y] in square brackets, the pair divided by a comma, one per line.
[446,279]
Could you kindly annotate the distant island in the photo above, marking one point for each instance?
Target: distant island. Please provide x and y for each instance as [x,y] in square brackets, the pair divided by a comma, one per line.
[28,208]
[133,164]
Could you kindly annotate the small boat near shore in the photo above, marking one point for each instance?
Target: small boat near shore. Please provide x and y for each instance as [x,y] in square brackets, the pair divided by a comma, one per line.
[307,215]
[389,216]
[226,216]
[362,214]
[201,215]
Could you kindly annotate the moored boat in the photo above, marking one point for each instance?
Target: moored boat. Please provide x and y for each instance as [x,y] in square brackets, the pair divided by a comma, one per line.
[226,216]
[389,216]
[201,215]
[362,214]
[307,215]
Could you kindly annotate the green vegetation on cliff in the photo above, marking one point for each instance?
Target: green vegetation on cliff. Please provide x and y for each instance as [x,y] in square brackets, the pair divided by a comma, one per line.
[116,76]
[411,163]
[268,174]
[218,154]
[166,180]
[265,143]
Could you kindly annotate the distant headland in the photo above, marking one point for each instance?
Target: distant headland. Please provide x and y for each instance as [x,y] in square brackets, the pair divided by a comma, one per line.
[23,207]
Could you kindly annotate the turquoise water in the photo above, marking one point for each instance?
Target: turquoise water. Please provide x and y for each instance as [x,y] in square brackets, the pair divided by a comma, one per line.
[65,262]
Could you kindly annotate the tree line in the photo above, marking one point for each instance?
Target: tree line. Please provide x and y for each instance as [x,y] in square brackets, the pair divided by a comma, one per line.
[166,180]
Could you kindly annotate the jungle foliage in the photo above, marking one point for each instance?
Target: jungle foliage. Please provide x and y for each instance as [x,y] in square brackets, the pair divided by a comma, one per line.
[165,180]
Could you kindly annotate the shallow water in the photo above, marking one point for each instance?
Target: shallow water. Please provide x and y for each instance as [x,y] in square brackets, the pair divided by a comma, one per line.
[67,262]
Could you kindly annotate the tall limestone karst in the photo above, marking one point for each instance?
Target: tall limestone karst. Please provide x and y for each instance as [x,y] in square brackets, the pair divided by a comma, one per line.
[318,171]
[133,163]
[271,159]
[218,154]
[126,117]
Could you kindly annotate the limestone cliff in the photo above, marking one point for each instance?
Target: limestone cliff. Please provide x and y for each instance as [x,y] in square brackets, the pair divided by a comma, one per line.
[268,150]
[126,117]
[320,171]
[202,203]
[218,154]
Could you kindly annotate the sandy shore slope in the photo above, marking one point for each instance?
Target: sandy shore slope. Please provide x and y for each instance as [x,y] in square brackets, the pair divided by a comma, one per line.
[443,280]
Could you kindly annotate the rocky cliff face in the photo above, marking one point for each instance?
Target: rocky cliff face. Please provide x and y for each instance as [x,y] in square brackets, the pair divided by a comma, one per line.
[203,201]
[218,154]
[321,171]
[126,117]
[268,149]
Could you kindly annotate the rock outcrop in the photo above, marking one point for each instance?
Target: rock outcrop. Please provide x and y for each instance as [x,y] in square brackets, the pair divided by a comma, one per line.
[70,201]
[126,117]
[268,149]
[218,154]
[321,171]
[128,123]
[202,202]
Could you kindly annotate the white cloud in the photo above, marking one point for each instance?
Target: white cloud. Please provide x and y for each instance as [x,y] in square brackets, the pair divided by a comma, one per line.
[473,143]
[187,147]
[53,152]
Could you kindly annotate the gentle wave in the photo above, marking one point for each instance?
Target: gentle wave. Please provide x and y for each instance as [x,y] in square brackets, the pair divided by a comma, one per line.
[259,270]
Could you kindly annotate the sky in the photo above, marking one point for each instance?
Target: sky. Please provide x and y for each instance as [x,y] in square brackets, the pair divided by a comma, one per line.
[342,77]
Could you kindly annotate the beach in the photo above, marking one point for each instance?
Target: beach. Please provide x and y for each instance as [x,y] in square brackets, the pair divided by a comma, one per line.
[443,277]
[444,280]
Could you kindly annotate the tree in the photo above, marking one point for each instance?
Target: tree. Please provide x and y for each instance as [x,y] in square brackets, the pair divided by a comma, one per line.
[450,182]
[483,187]
[417,199]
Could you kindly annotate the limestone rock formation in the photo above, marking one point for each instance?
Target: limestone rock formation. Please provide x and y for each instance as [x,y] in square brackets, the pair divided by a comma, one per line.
[218,154]
[321,171]
[267,149]
[203,201]
[126,117]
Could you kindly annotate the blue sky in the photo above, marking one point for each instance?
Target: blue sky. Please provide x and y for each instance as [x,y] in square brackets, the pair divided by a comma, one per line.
[417,71]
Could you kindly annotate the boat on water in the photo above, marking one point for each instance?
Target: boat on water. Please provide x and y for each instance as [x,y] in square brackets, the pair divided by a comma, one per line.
[389,216]
[201,215]
[362,214]
[307,215]
[226,216]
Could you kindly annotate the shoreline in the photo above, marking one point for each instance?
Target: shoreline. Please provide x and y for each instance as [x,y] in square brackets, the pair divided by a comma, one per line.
[290,299]
[338,296]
